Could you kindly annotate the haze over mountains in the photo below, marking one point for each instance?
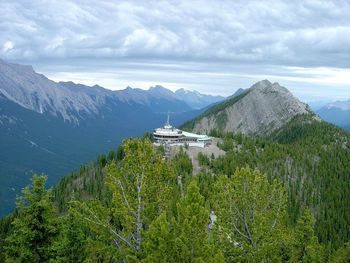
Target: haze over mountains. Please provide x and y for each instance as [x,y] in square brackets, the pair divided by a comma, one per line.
[52,128]
[337,112]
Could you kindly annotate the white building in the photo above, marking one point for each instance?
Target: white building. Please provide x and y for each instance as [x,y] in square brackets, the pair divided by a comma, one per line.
[172,136]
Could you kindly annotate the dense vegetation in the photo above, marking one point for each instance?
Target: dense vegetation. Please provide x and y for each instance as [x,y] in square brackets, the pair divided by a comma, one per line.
[313,159]
[278,199]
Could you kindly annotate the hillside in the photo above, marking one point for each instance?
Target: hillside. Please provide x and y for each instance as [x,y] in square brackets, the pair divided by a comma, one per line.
[304,176]
[311,157]
[259,110]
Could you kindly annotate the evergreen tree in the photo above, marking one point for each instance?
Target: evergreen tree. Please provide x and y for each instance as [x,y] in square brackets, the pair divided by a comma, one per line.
[71,246]
[342,255]
[159,242]
[307,248]
[185,237]
[251,214]
[35,227]
[141,186]
[192,242]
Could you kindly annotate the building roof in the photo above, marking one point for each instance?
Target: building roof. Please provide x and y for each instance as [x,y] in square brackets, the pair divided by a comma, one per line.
[200,137]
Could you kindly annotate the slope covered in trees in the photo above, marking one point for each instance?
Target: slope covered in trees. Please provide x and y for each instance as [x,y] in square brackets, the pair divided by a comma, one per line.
[280,199]
[312,158]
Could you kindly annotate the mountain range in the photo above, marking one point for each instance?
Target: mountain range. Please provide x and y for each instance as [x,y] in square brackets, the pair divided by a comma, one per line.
[52,128]
[337,112]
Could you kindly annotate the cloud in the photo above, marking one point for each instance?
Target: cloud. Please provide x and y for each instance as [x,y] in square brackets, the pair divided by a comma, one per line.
[251,38]
[8,45]
[278,32]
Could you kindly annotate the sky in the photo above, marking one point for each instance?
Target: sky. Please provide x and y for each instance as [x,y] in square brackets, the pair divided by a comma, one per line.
[214,47]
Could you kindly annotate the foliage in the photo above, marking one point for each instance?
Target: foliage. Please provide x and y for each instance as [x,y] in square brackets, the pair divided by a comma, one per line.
[342,255]
[72,244]
[251,216]
[133,206]
[307,247]
[36,226]
[312,158]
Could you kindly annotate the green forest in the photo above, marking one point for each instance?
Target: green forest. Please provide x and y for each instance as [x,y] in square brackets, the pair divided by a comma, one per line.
[284,198]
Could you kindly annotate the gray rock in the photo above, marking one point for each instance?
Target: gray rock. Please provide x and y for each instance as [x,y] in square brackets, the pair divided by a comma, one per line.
[265,107]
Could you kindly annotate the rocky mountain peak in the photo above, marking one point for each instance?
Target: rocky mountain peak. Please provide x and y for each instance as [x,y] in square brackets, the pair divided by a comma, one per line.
[260,110]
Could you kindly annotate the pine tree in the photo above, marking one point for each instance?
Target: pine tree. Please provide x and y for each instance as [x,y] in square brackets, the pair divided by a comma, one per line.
[251,214]
[307,248]
[183,238]
[35,228]
[71,246]
[342,255]
[192,242]
[159,241]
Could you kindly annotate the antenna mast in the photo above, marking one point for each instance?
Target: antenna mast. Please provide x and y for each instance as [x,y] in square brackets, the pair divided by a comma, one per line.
[167,123]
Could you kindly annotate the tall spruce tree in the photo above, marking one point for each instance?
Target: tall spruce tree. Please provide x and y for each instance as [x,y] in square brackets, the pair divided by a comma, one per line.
[307,248]
[192,243]
[35,227]
[159,241]
[71,245]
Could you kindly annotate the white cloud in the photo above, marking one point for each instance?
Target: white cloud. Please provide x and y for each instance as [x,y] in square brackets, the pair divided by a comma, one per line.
[8,45]
[205,44]
[279,32]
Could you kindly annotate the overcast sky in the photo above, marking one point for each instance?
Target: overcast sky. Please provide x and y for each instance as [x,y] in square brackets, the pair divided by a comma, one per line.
[211,46]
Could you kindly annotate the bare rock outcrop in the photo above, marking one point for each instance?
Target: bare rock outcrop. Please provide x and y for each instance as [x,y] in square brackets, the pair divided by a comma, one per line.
[262,109]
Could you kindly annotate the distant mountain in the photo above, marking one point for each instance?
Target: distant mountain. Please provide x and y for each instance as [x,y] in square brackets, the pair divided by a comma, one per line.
[315,105]
[259,110]
[238,92]
[337,113]
[52,128]
[196,99]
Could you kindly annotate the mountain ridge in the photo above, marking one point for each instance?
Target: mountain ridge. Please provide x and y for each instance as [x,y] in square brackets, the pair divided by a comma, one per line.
[52,128]
[22,85]
[259,110]
[337,112]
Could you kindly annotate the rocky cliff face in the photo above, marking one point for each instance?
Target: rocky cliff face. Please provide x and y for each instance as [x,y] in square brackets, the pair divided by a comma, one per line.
[262,109]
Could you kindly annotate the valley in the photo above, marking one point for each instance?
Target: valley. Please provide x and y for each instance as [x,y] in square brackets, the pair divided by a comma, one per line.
[52,128]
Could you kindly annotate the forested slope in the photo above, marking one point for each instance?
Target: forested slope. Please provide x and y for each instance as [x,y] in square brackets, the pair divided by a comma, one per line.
[312,158]
[279,199]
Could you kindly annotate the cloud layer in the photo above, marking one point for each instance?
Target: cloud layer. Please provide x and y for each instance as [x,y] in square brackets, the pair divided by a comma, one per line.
[270,34]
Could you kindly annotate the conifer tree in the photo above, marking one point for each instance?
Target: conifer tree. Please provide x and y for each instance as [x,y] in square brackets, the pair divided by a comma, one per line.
[141,187]
[159,241]
[250,213]
[71,246]
[35,227]
[342,255]
[307,248]
[192,242]
[185,237]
